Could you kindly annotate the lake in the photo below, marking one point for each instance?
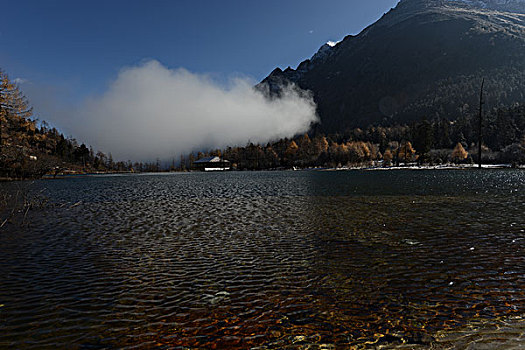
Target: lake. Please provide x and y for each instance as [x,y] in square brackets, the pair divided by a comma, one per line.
[268,260]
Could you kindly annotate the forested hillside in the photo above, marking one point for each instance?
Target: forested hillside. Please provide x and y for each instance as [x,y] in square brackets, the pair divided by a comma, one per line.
[431,142]
[423,59]
[30,149]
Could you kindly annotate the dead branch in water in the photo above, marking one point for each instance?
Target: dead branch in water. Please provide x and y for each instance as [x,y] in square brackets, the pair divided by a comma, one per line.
[19,204]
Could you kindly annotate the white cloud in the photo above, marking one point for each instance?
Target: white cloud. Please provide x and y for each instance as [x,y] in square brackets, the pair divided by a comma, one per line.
[151,111]
[333,43]
[20,81]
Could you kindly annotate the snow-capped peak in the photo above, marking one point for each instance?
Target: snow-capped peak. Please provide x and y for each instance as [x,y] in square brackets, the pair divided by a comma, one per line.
[325,50]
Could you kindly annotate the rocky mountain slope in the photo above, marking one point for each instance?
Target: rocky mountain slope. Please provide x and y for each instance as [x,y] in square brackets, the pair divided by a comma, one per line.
[422,59]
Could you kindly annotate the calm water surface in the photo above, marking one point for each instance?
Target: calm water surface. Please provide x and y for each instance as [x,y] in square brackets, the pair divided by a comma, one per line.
[282,260]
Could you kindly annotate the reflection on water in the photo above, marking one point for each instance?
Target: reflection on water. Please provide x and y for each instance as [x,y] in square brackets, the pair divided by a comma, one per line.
[270,260]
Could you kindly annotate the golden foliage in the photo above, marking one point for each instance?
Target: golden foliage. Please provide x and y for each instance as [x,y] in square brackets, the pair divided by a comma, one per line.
[322,144]
[406,151]
[459,153]
[387,156]
[292,147]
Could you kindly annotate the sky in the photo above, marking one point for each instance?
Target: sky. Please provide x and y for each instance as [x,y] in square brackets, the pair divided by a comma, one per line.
[66,52]
[82,45]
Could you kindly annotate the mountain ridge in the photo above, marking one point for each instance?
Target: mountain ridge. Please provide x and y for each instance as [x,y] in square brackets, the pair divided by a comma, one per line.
[393,67]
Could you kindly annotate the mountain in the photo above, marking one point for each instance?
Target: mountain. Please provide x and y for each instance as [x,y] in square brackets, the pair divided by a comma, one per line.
[422,59]
[517,6]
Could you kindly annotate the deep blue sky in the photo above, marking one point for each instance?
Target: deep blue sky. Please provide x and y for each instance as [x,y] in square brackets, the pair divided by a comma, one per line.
[80,45]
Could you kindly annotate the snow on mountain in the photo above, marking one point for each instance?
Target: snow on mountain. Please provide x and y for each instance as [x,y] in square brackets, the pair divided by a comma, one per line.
[323,52]
[421,57]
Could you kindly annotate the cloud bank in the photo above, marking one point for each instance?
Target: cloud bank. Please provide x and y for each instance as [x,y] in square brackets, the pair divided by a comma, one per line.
[151,111]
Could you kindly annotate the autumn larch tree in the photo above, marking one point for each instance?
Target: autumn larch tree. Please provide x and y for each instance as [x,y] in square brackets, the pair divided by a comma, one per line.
[387,157]
[406,151]
[14,108]
[459,153]
[15,125]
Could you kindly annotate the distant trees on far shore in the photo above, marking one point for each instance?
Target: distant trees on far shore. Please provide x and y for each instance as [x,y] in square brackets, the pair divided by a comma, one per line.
[438,141]
[30,149]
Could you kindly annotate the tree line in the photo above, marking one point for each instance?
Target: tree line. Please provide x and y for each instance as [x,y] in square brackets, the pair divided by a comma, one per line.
[29,148]
[436,141]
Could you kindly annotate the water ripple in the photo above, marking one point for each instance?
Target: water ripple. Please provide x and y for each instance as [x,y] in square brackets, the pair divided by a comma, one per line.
[269,261]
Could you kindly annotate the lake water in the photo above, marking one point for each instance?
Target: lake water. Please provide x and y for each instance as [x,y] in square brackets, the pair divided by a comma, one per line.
[269,260]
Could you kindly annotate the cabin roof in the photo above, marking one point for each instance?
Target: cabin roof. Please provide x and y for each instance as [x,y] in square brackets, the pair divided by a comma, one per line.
[210,160]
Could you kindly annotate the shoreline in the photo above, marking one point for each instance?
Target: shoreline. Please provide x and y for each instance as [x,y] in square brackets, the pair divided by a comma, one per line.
[344,168]
[418,167]
[447,167]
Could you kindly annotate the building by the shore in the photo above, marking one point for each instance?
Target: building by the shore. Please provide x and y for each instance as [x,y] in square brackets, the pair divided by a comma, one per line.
[212,164]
